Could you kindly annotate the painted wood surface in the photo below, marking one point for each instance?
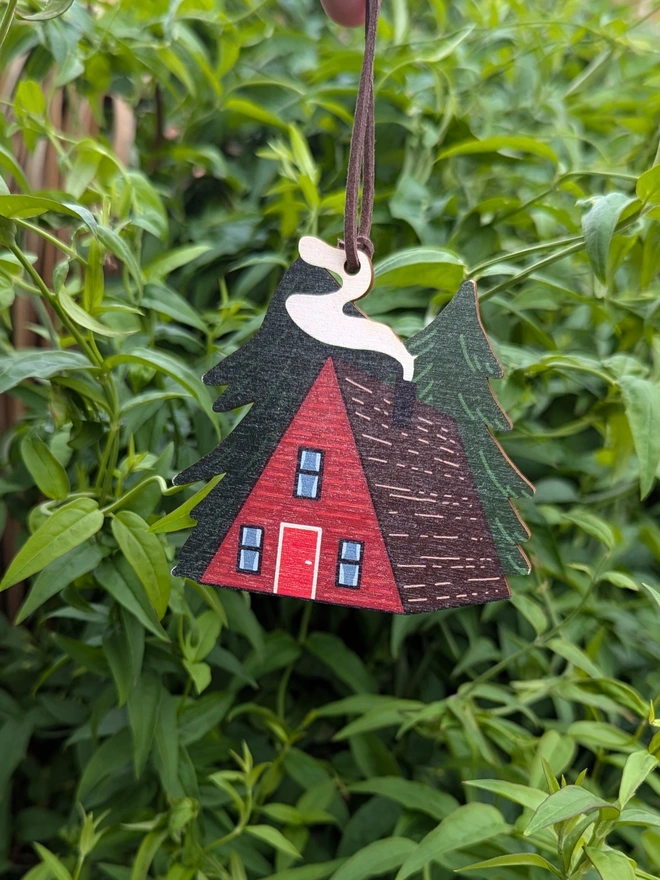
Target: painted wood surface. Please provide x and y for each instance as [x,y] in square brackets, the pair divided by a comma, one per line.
[344,509]
[324,318]
[410,468]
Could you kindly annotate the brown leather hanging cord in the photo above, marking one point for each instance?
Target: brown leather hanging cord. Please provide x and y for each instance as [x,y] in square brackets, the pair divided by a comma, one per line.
[361,159]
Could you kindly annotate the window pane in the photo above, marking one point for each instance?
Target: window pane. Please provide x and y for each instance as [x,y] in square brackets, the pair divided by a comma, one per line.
[249,560]
[308,486]
[310,461]
[351,550]
[251,537]
[348,574]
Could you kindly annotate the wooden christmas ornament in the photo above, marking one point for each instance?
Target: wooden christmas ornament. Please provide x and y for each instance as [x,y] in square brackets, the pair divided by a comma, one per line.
[365,473]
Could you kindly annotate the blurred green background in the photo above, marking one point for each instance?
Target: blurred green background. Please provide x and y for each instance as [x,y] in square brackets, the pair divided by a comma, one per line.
[158,163]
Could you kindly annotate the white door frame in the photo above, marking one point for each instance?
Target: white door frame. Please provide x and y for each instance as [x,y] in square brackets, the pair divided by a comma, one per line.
[317,557]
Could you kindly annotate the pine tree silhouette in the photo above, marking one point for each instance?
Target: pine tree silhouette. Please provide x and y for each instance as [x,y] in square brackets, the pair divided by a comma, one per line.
[454,364]
[273,372]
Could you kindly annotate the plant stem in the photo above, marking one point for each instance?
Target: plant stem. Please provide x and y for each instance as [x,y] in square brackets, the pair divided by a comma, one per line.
[79,866]
[52,239]
[525,273]
[7,19]
[54,303]
[111,451]
[524,252]
[540,641]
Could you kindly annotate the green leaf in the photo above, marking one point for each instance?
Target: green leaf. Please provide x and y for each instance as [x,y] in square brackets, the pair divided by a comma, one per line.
[315,871]
[525,795]
[202,715]
[164,300]
[172,367]
[379,857]
[393,713]
[531,612]
[146,853]
[39,872]
[120,581]
[598,224]
[592,524]
[641,398]
[143,707]
[149,211]
[564,804]
[29,100]
[200,673]
[432,267]
[410,794]
[343,662]
[575,655]
[167,754]
[599,735]
[58,575]
[110,757]
[638,766]
[146,556]
[207,631]
[68,527]
[469,824]
[9,162]
[116,244]
[55,866]
[79,316]
[619,579]
[648,186]
[504,143]
[174,259]
[15,734]
[51,9]
[123,646]
[653,593]
[254,111]
[632,816]
[44,468]
[24,207]
[522,860]
[37,363]
[274,838]
[610,864]
[149,397]
[288,815]
[180,518]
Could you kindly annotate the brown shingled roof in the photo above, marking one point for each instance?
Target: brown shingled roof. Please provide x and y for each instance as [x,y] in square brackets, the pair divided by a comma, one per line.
[426,500]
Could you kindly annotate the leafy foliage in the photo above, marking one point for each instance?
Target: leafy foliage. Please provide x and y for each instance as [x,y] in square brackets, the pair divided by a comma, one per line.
[154,728]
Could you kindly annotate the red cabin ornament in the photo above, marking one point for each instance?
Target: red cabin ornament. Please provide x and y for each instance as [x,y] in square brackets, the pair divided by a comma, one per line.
[365,473]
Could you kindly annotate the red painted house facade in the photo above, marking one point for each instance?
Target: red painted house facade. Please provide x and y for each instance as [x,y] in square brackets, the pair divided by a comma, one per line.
[353,510]
[301,538]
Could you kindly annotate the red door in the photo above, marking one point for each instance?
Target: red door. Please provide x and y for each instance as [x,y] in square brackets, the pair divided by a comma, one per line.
[297,561]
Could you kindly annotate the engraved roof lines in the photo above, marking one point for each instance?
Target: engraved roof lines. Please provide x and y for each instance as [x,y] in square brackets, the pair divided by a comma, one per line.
[431,517]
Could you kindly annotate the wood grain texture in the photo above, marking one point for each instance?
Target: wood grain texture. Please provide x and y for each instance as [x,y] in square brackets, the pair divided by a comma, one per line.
[428,506]
[324,319]
[455,362]
[274,372]
[411,470]
[344,510]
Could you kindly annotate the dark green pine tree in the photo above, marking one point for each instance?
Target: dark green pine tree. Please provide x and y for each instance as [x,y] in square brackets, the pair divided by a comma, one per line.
[454,364]
[273,372]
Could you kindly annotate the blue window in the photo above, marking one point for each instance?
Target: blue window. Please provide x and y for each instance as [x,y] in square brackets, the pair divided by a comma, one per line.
[250,548]
[349,564]
[308,474]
